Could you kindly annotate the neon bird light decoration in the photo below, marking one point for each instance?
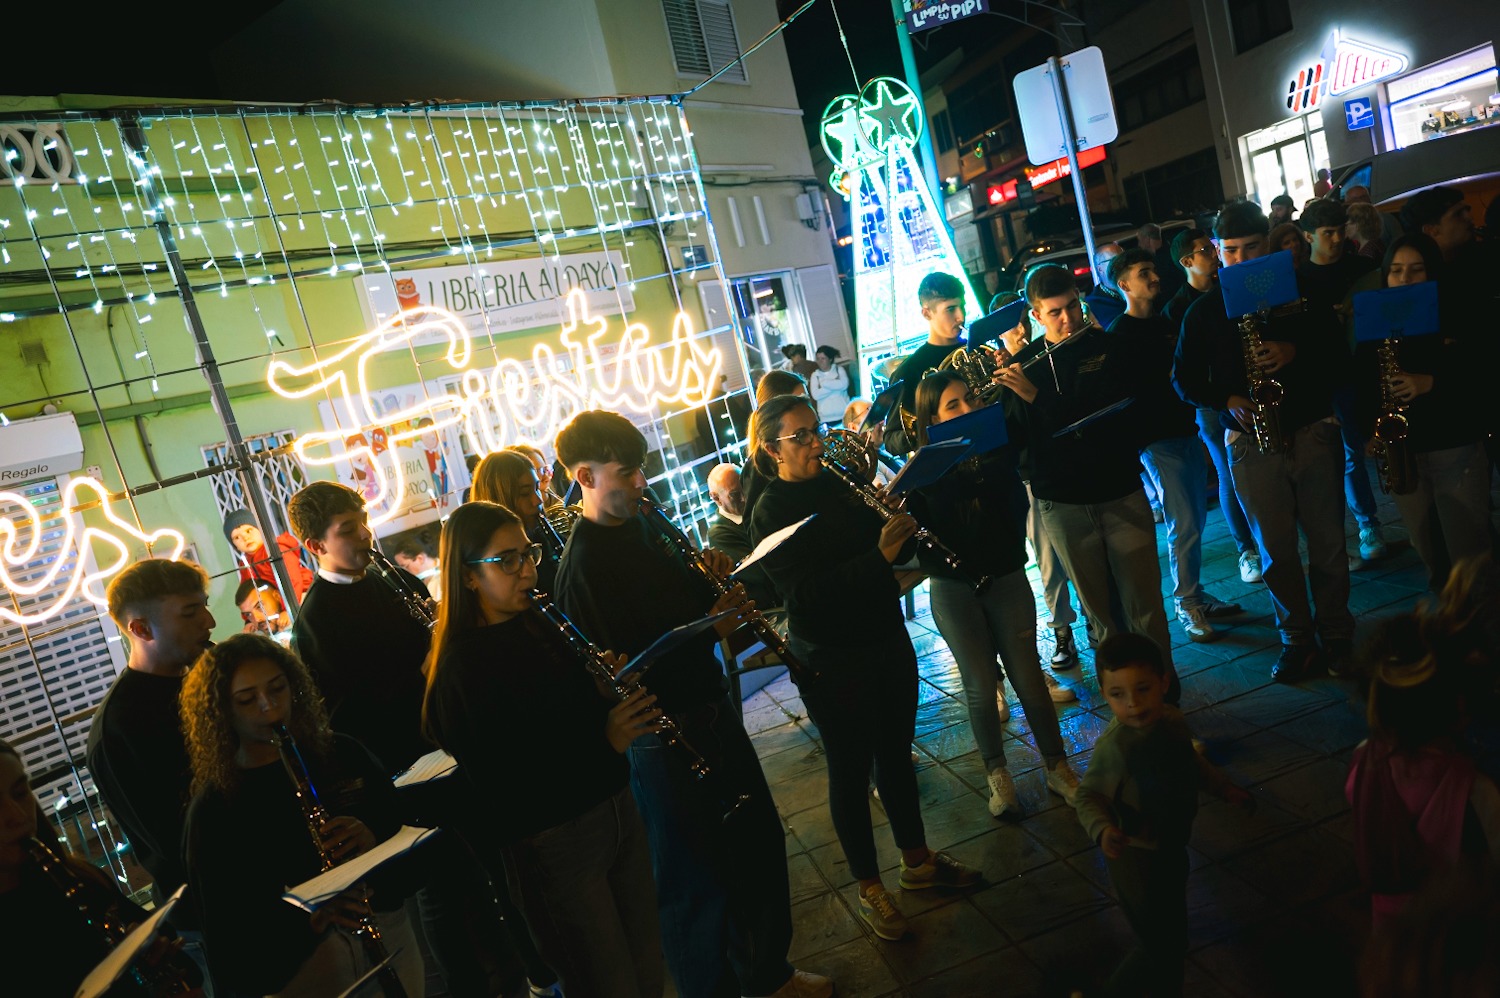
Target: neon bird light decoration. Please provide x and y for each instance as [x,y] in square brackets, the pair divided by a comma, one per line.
[584,370]
[77,538]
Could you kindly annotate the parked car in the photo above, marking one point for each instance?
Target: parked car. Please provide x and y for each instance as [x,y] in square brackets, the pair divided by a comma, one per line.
[1071,251]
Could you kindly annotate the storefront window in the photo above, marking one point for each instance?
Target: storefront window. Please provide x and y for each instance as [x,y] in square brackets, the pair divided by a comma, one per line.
[1286,158]
[1455,95]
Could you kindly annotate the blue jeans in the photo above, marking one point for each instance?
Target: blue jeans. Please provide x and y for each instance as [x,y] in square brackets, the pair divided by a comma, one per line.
[723,895]
[586,888]
[1281,492]
[1357,491]
[978,628]
[1448,516]
[1054,578]
[1212,435]
[864,703]
[1114,544]
[1178,472]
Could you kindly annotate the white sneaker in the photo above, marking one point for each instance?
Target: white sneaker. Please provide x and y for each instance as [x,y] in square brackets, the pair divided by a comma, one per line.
[1057,691]
[1062,781]
[1003,797]
[1001,705]
[1372,543]
[1195,625]
[1250,567]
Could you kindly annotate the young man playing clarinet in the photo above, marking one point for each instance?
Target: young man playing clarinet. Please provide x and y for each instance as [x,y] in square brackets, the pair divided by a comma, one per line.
[722,885]
[1298,482]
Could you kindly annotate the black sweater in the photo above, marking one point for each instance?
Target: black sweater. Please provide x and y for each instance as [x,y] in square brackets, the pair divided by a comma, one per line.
[1443,418]
[838,587]
[624,589]
[244,850]
[366,653]
[1158,412]
[978,509]
[1099,462]
[1210,363]
[1177,306]
[140,764]
[910,373]
[526,724]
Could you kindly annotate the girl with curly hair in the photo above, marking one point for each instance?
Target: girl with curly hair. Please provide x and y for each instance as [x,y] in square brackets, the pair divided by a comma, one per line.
[247,840]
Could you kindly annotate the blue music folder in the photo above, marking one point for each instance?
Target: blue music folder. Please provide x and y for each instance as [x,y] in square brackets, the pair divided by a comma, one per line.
[984,428]
[1411,310]
[927,465]
[879,409]
[1002,320]
[1260,284]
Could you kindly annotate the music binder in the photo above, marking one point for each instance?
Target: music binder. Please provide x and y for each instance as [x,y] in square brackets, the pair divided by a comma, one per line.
[310,895]
[1390,313]
[928,464]
[432,766]
[113,966]
[1259,285]
[883,405]
[991,327]
[985,428]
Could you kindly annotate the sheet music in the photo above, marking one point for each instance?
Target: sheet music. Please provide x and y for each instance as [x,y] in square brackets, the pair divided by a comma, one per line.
[770,543]
[312,894]
[367,976]
[103,977]
[430,767]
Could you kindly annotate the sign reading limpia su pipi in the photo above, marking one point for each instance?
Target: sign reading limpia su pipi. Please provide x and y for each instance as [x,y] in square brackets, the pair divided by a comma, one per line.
[500,296]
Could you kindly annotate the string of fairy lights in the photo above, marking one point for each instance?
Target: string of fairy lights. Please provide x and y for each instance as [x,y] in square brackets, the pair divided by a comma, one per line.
[266,204]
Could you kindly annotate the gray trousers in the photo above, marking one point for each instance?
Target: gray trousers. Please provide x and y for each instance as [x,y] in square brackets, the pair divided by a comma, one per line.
[1448,516]
[1114,541]
[1300,487]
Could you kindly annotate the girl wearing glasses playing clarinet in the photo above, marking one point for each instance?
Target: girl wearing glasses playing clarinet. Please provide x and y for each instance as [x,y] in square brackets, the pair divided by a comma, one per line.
[544,748]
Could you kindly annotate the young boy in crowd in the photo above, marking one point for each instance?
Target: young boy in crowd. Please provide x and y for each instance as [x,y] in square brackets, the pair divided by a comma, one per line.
[1138,801]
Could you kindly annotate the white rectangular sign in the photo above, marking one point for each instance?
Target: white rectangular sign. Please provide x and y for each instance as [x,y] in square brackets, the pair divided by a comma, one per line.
[500,296]
[1088,96]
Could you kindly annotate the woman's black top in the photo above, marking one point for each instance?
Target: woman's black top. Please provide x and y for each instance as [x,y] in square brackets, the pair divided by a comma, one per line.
[526,724]
[1446,417]
[978,509]
[246,848]
[838,587]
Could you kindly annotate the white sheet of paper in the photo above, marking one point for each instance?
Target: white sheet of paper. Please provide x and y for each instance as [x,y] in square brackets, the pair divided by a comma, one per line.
[311,894]
[367,976]
[770,543]
[104,976]
[429,767]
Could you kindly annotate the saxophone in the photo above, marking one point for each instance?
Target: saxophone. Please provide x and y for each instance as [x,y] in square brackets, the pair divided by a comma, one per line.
[314,814]
[1266,392]
[159,981]
[1395,463]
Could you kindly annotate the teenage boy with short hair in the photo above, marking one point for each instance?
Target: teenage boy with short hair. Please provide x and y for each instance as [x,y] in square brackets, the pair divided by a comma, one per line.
[724,895]
[1296,486]
[1325,279]
[941,297]
[1194,252]
[1138,801]
[1168,440]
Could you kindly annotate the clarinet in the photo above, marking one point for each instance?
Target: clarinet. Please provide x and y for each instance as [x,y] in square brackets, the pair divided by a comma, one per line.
[418,604]
[161,980]
[315,814]
[603,673]
[690,554]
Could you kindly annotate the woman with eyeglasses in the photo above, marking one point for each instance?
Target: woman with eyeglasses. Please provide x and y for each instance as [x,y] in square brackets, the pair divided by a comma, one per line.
[544,749]
[510,479]
[844,612]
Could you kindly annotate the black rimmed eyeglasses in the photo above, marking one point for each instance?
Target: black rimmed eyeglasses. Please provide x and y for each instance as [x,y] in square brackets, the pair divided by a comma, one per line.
[510,561]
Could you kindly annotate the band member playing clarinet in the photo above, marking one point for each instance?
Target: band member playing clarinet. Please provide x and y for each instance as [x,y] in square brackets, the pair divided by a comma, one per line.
[62,915]
[1428,388]
[509,478]
[844,611]
[1296,481]
[724,897]
[981,505]
[500,688]
[248,839]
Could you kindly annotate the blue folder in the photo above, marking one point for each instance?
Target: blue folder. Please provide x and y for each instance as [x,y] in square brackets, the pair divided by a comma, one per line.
[927,465]
[1259,285]
[1411,310]
[879,409]
[1002,320]
[985,428]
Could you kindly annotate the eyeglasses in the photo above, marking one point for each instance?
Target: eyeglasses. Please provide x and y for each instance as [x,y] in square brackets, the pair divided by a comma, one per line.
[802,437]
[510,561]
[1205,250]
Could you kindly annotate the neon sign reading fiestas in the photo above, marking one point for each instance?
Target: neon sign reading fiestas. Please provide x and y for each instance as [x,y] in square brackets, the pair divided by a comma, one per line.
[77,539]
[496,406]
[1342,66]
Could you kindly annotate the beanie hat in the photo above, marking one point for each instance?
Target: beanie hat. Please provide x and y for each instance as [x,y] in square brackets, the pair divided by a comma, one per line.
[239,518]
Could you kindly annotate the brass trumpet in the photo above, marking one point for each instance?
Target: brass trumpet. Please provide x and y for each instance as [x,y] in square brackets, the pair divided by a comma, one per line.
[846,456]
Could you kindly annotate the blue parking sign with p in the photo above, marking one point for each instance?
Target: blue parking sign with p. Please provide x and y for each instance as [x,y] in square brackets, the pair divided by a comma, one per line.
[1360,113]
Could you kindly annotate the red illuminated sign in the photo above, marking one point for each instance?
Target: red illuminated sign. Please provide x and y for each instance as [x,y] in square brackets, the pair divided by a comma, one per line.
[1043,175]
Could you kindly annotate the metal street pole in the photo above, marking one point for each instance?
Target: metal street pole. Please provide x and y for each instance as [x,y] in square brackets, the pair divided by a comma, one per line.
[1065,113]
[909,68]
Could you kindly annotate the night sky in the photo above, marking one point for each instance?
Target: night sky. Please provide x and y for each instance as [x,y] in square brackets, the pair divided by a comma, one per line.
[819,65]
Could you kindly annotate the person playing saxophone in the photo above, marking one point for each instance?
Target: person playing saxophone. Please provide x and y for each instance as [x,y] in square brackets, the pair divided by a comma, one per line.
[1416,402]
[1296,482]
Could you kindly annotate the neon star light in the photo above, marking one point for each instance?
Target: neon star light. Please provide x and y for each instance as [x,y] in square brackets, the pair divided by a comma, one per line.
[900,233]
[77,540]
[585,369]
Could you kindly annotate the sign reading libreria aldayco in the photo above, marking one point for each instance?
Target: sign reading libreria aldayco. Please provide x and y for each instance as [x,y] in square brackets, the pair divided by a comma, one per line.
[500,296]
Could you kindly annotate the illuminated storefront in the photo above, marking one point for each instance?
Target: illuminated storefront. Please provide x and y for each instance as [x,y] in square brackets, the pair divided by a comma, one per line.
[1448,97]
